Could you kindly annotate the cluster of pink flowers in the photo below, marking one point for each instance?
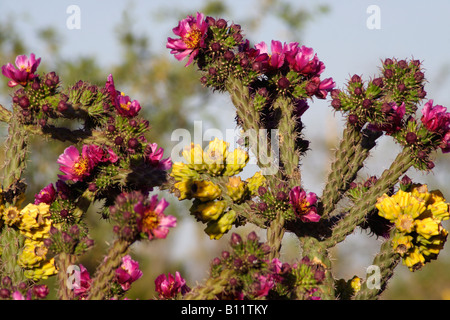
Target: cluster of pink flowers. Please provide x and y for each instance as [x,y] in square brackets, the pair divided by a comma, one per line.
[304,204]
[437,120]
[25,71]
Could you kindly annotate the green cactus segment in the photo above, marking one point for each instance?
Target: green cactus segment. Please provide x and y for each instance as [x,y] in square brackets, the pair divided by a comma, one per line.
[106,270]
[349,159]
[384,262]
[16,153]
[212,287]
[11,242]
[63,262]
[362,206]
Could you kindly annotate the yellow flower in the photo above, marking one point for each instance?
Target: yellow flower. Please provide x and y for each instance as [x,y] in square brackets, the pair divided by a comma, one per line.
[206,211]
[355,283]
[43,271]
[181,171]
[235,162]
[236,188]
[428,227]
[194,157]
[254,182]
[11,216]
[402,243]
[414,260]
[32,254]
[202,190]
[35,221]
[215,156]
[217,228]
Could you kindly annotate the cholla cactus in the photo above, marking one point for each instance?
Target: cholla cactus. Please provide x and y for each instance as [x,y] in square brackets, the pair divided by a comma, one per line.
[111,161]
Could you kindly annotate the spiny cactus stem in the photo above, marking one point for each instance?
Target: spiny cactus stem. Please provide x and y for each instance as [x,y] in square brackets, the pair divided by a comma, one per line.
[289,155]
[106,270]
[367,203]
[386,260]
[212,287]
[318,253]
[11,242]
[5,114]
[16,151]
[337,181]
[63,262]
[83,204]
[275,234]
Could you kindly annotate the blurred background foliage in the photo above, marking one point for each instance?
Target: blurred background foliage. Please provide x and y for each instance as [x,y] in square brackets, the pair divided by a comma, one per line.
[172,97]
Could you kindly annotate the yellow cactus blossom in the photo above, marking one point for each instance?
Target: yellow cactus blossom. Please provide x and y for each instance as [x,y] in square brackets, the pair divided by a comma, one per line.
[254,182]
[10,216]
[235,162]
[215,155]
[402,243]
[35,221]
[202,190]
[417,216]
[414,260]
[181,171]
[32,254]
[428,227]
[217,228]
[207,211]
[355,283]
[236,188]
[43,271]
[194,157]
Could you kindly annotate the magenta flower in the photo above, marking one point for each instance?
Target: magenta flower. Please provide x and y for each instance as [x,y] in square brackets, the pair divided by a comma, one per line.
[25,71]
[436,118]
[278,56]
[169,287]
[303,60]
[152,219]
[263,285]
[325,86]
[17,295]
[111,88]
[128,272]
[445,145]
[46,195]
[76,166]
[155,155]
[304,204]
[40,291]
[98,154]
[192,32]
[125,107]
[81,288]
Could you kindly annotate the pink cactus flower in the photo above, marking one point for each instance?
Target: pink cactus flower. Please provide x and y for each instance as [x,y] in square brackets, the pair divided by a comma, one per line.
[25,71]
[169,286]
[436,118]
[277,57]
[78,166]
[46,195]
[81,288]
[152,219]
[128,272]
[304,204]
[192,32]
[126,107]
[303,60]
[155,155]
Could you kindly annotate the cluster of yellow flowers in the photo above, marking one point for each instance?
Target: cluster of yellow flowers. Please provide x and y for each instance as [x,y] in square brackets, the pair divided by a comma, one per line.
[34,223]
[417,217]
[212,199]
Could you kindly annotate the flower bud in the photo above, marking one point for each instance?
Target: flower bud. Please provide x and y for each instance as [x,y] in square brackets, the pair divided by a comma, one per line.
[236,239]
[411,137]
